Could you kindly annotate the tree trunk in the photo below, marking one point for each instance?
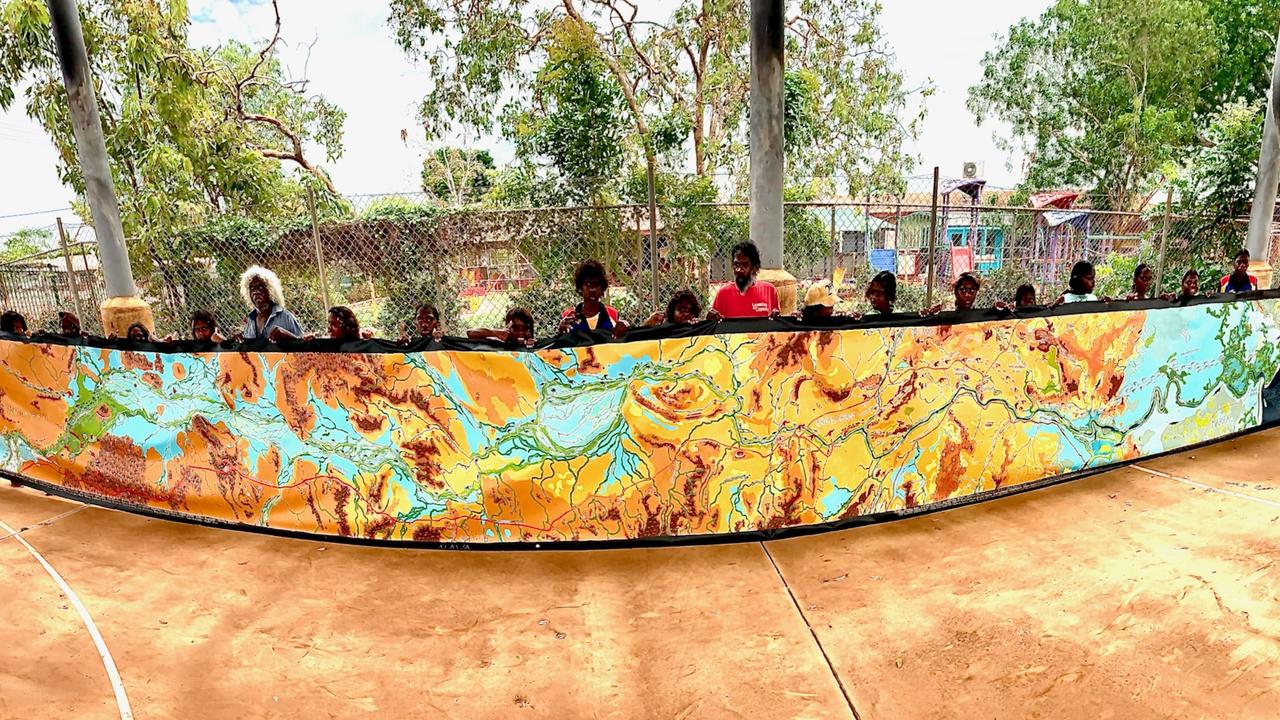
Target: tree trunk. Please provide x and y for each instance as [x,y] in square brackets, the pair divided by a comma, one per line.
[699,156]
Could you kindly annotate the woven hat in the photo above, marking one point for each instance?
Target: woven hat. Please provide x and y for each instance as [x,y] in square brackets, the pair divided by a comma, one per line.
[820,294]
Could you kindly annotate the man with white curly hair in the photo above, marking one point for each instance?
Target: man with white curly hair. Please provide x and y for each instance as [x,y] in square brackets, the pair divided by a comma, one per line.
[268,319]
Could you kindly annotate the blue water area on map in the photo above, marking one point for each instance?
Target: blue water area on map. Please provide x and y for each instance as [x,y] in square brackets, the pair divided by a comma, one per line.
[835,500]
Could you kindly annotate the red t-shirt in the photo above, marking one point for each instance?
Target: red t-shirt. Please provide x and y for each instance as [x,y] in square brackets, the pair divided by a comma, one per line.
[1222,285]
[759,300]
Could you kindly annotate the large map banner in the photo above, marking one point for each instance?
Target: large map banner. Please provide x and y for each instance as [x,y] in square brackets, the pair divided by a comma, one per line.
[670,438]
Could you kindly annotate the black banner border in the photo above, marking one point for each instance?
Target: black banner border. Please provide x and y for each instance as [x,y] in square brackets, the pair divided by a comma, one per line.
[583,339]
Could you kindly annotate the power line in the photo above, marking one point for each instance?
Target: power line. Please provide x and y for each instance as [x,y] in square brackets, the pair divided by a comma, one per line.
[37,212]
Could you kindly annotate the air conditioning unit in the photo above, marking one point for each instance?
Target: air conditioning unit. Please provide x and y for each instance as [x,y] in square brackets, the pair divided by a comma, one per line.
[970,170]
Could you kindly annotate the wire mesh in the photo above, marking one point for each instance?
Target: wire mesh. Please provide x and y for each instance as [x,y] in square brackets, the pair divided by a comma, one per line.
[384,255]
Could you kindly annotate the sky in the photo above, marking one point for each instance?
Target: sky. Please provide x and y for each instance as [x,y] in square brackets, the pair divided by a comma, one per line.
[354,61]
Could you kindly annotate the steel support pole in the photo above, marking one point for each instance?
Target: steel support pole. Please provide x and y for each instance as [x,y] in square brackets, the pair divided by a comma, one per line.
[92,148]
[835,245]
[653,234]
[767,163]
[1264,192]
[122,306]
[1164,240]
[933,241]
[768,65]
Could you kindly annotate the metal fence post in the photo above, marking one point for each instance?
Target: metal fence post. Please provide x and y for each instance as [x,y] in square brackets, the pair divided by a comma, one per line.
[315,236]
[933,240]
[835,247]
[1164,240]
[635,212]
[653,236]
[71,273]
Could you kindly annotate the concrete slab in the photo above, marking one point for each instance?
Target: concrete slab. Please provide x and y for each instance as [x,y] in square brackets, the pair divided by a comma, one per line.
[1127,595]
[209,623]
[1124,595]
[1247,465]
[49,666]
[21,507]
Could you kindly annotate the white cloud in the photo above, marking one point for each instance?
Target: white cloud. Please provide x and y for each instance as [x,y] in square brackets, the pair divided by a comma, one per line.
[945,41]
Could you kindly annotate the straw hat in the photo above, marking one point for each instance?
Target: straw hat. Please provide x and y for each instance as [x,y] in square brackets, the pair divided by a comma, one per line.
[820,294]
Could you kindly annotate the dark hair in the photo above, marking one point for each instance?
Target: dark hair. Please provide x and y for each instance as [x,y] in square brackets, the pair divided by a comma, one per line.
[1243,253]
[1024,289]
[1189,273]
[519,313]
[1138,270]
[9,321]
[748,250]
[685,296]
[347,318]
[809,313]
[977,284]
[1078,271]
[429,308]
[146,334]
[889,283]
[590,270]
[204,316]
[64,315]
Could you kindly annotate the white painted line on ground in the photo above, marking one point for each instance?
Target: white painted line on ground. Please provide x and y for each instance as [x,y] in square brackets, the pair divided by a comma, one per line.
[122,701]
[43,523]
[1210,488]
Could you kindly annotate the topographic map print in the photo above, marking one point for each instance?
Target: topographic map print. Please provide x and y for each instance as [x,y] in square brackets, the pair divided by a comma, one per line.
[674,437]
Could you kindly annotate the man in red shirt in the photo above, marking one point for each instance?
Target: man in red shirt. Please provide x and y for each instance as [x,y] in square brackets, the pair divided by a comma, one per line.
[746,297]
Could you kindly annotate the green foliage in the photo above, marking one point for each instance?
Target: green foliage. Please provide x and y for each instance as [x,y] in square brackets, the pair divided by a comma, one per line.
[402,212]
[523,185]
[1001,284]
[421,283]
[694,230]
[26,242]
[1215,190]
[410,267]
[576,121]
[802,111]
[456,177]
[191,133]
[1245,37]
[545,300]
[684,79]
[805,237]
[1111,94]
[912,297]
[669,131]
[1113,277]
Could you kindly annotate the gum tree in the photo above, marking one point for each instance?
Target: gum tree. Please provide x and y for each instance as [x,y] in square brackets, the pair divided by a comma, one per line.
[1112,94]
[682,77]
[190,132]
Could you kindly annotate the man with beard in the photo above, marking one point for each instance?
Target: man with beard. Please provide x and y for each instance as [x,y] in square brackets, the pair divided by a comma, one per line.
[746,297]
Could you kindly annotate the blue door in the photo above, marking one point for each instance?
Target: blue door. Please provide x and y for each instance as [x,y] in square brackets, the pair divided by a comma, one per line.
[989,253]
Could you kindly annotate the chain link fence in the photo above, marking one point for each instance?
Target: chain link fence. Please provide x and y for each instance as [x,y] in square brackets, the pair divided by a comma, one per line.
[383,255]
